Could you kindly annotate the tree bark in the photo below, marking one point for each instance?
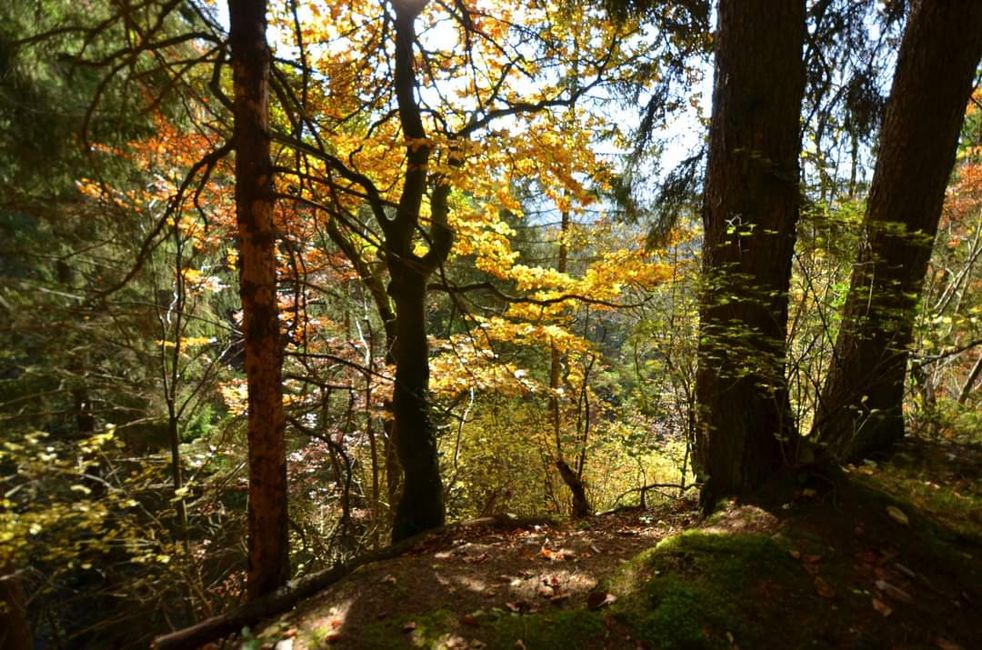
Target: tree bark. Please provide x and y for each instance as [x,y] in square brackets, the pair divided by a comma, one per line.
[421,505]
[749,213]
[581,505]
[861,406]
[268,566]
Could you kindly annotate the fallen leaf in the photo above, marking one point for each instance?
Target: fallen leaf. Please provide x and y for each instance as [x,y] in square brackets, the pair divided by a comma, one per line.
[882,607]
[894,592]
[469,619]
[556,556]
[945,644]
[795,553]
[812,559]
[599,599]
[898,515]
[823,588]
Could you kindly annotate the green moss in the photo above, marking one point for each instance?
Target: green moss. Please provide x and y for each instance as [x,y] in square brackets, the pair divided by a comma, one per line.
[957,506]
[700,590]
[566,629]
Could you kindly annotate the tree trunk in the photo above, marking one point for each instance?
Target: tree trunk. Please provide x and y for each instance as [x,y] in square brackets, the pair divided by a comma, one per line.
[861,406]
[421,504]
[268,542]
[581,506]
[750,211]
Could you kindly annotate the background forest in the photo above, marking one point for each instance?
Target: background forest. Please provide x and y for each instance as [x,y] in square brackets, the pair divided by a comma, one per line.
[487,227]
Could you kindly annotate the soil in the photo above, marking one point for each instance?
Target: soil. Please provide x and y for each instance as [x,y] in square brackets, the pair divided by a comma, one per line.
[857,560]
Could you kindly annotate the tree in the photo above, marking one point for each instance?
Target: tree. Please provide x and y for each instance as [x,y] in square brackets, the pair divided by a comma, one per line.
[421,505]
[454,173]
[860,410]
[749,214]
[268,540]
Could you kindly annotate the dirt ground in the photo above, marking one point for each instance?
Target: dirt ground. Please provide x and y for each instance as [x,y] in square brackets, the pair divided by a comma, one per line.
[880,557]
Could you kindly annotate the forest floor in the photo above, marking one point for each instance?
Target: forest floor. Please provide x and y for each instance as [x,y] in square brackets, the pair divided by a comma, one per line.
[885,556]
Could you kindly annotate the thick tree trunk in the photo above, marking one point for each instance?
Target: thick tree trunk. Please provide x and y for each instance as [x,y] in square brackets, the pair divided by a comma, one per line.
[421,504]
[268,542]
[749,213]
[861,406]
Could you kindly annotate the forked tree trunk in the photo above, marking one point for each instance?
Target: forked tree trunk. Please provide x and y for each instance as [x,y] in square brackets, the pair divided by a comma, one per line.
[861,406]
[421,504]
[749,213]
[581,505]
[268,542]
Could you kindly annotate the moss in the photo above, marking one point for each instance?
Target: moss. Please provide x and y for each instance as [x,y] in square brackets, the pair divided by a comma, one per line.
[566,629]
[702,590]
[957,506]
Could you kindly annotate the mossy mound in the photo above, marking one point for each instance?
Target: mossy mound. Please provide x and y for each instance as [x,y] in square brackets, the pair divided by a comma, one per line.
[709,590]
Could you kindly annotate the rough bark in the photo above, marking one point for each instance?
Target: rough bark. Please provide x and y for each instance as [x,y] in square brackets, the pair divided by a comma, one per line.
[581,506]
[268,543]
[421,505]
[861,406]
[749,214]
